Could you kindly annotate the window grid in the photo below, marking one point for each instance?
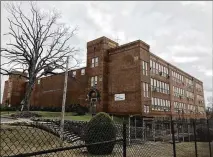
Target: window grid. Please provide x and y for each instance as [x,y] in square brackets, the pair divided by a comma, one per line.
[94,81]
[159,86]
[180,107]
[146,109]
[94,62]
[160,104]
[145,68]
[177,77]
[145,89]
[178,92]
[157,68]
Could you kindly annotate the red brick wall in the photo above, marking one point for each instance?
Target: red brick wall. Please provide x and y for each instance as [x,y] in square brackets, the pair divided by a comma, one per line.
[17,89]
[5,94]
[50,90]
[99,48]
[124,78]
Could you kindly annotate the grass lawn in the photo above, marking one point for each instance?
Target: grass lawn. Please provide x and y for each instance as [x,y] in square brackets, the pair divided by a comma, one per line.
[7,113]
[54,115]
[21,139]
[68,116]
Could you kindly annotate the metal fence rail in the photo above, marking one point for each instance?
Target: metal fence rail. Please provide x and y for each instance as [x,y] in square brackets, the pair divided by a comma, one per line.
[186,139]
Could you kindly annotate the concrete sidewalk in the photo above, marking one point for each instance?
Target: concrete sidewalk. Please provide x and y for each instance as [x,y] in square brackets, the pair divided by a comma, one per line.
[6,120]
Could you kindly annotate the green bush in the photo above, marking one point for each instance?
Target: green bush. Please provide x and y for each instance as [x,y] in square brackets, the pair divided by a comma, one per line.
[99,129]
[6,108]
[202,133]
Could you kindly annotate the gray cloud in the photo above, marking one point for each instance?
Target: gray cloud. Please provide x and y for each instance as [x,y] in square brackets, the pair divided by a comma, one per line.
[179,32]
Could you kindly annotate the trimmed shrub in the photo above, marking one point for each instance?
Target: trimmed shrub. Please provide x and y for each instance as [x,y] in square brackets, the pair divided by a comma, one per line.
[99,129]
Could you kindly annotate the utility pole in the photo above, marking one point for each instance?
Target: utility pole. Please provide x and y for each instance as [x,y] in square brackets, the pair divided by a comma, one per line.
[63,103]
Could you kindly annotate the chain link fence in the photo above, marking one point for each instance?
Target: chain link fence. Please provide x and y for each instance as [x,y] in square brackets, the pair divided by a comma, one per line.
[148,139]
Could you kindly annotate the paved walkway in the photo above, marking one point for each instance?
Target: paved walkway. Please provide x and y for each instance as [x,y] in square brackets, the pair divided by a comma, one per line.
[5,120]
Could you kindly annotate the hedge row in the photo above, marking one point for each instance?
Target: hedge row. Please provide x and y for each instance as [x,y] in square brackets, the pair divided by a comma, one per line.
[69,108]
[6,108]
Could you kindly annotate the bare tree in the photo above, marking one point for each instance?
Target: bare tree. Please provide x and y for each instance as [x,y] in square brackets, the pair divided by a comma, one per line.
[40,45]
[209,109]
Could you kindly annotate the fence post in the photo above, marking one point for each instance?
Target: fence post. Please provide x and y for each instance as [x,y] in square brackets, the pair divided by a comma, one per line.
[135,128]
[183,130]
[188,125]
[210,150]
[194,127]
[124,139]
[173,137]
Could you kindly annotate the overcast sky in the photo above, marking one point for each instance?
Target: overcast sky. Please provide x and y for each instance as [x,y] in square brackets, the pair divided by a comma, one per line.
[179,32]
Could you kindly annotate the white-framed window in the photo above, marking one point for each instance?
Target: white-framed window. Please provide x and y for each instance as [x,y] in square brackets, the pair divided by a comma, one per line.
[94,81]
[73,73]
[156,67]
[94,62]
[145,68]
[39,81]
[155,82]
[164,103]
[145,89]
[119,97]
[161,69]
[82,71]
[146,109]
[164,88]
[167,88]
[156,102]
[158,85]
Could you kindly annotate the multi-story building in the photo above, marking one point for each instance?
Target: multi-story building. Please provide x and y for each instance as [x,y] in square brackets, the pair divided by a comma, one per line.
[131,81]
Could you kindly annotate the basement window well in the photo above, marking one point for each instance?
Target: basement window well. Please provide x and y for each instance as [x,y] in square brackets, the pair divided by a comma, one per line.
[119,97]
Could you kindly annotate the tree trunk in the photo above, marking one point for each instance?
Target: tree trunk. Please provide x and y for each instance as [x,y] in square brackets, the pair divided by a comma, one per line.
[28,93]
